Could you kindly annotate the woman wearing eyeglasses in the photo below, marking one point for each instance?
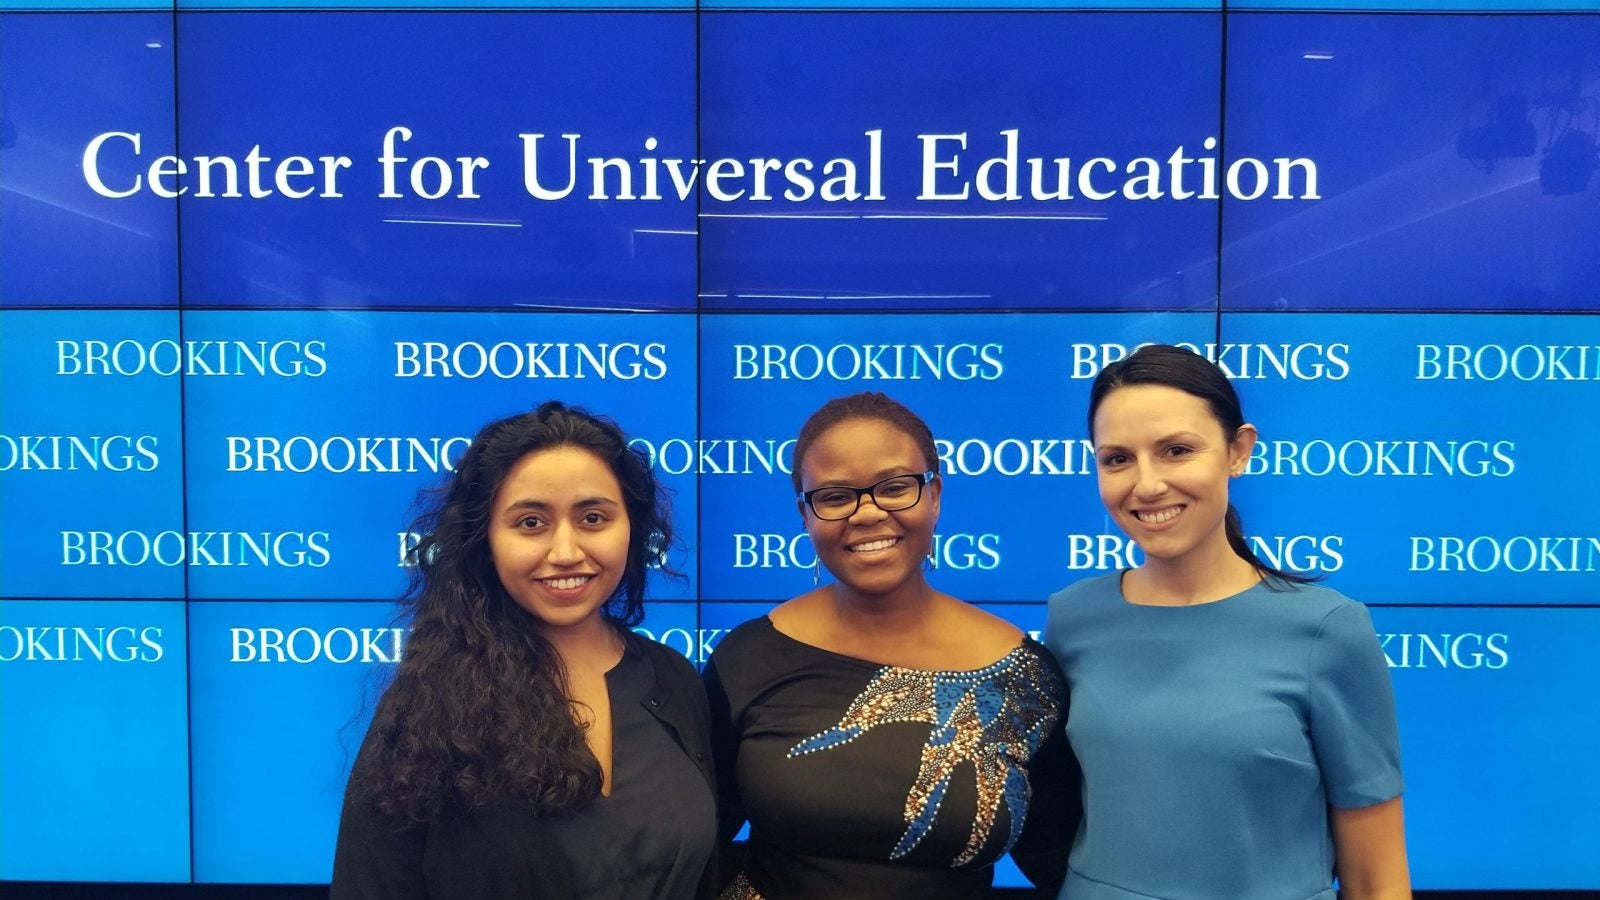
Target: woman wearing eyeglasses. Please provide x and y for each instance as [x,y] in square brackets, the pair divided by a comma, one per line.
[882,738]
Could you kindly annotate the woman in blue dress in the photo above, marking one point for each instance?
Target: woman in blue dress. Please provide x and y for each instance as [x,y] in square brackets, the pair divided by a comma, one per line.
[1234,723]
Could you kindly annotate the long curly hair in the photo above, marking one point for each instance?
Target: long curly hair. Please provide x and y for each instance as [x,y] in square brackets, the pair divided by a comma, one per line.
[478,709]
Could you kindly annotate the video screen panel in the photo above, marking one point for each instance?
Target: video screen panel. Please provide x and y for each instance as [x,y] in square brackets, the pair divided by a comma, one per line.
[91,454]
[1428,495]
[1468,6]
[458,168]
[1497,727]
[94,744]
[280,697]
[81,230]
[305,468]
[1456,158]
[1026,453]
[917,168]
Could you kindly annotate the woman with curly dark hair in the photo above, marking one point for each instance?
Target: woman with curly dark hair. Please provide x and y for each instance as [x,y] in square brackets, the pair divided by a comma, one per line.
[530,744]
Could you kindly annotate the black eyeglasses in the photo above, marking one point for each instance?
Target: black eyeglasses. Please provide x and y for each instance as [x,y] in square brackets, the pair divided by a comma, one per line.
[892,494]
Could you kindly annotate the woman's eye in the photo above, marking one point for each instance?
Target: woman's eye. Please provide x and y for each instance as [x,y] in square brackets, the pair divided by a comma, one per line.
[529,522]
[593,518]
[1113,459]
[833,498]
[1178,450]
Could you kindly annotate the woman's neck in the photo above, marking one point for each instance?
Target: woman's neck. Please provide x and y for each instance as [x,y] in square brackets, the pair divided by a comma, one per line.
[1203,577]
[900,612]
[593,645]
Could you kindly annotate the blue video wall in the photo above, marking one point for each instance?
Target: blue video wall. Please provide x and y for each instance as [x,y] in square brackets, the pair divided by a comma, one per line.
[265,268]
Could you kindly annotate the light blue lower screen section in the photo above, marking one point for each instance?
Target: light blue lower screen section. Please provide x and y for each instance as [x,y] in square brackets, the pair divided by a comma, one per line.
[91,454]
[282,696]
[1498,735]
[321,454]
[94,780]
[1423,458]
[1496,712]
[1005,395]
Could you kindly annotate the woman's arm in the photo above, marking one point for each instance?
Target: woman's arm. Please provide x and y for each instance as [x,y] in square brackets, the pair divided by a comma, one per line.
[1370,852]
[374,859]
[1054,809]
[725,756]
[1354,733]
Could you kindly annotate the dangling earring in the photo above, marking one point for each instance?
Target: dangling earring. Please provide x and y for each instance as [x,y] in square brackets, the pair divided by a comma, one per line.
[816,573]
[929,563]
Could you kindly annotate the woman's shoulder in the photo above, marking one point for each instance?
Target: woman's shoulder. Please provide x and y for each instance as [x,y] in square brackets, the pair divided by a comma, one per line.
[799,617]
[1310,591]
[752,658]
[1308,600]
[955,635]
[986,635]
[1040,670]
[1093,588]
[754,636]
[668,663]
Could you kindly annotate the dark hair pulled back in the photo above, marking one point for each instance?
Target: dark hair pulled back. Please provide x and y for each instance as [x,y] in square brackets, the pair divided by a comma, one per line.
[1175,367]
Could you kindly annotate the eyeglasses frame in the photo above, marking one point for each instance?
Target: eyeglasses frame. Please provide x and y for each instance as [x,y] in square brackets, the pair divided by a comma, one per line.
[923,480]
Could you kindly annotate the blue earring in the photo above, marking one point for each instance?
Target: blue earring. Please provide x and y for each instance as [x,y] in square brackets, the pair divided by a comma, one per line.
[816,573]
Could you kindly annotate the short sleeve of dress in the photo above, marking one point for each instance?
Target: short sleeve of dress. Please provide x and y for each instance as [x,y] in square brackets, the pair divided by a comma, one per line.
[1353,728]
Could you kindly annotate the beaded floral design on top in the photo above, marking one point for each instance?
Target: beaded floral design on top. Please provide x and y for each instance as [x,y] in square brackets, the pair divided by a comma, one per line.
[994,718]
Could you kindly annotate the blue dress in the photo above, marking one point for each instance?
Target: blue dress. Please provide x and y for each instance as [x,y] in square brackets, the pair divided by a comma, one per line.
[1214,737]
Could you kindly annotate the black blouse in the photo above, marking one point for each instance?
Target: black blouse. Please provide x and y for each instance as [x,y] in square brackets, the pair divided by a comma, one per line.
[653,837]
[865,780]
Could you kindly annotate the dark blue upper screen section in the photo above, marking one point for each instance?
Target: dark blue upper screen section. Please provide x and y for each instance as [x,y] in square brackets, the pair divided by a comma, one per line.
[457,86]
[67,78]
[941,92]
[1457,158]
